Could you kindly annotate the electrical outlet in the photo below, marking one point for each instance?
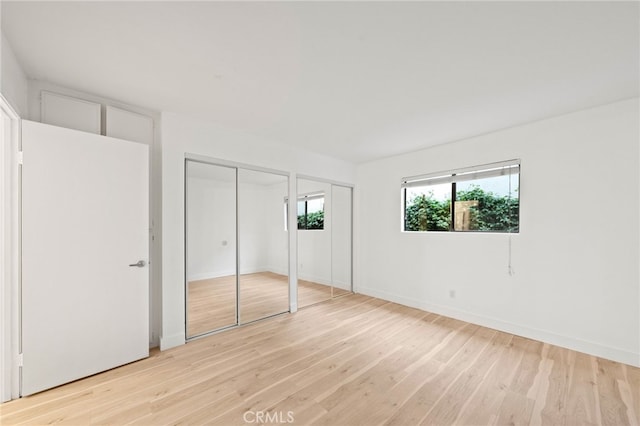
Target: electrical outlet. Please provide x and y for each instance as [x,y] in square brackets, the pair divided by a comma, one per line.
[452,294]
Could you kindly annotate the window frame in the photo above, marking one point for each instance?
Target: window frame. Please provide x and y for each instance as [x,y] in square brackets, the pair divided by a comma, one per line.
[452,177]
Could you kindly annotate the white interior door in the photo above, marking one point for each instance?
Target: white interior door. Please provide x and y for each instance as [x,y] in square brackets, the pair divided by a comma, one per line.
[85,219]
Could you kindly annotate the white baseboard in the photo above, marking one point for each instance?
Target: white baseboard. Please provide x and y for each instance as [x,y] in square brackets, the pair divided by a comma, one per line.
[591,348]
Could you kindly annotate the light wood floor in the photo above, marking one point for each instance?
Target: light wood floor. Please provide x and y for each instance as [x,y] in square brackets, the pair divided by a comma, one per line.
[212,302]
[354,360]
[310,293]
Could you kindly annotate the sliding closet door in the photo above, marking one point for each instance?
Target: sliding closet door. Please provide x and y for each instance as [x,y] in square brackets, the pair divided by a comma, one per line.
[263,245]
[211,281]
[324,241]
[314,242]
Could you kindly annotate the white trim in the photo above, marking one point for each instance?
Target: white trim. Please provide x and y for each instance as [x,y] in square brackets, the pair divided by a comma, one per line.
[592,348]
[9,253]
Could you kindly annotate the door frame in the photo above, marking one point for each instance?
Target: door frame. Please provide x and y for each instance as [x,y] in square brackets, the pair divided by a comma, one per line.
[9,252]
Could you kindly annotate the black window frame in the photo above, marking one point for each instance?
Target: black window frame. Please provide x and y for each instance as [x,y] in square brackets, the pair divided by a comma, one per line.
[452,177]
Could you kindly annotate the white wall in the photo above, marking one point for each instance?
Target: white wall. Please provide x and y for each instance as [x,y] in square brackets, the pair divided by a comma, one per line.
[13,81]
[576,281]
[182,135]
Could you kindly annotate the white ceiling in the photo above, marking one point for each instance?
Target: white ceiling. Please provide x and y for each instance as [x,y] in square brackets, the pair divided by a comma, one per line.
[356,81]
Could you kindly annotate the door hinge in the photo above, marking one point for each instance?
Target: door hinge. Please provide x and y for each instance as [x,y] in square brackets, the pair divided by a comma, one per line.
[20,360]
[20,157]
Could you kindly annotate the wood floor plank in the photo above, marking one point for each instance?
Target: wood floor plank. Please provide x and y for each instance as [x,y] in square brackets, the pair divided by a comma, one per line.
[454,399]
[612,407]
[633,378]
[581,392]
[481,407]
[355,360]
[370,392]
[515,410]
[204,414]
[632,399]
[418,406]
[540,387]
[555,409]
[529,365]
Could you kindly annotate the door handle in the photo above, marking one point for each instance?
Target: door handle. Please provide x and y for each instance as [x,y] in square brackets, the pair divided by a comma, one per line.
[139,264]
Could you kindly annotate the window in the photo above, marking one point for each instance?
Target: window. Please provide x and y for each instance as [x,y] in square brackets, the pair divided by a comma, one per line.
[481,199]
[311,211]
